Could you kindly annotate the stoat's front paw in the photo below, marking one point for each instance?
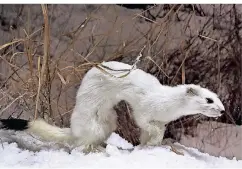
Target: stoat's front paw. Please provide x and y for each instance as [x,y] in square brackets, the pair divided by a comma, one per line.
[93,149]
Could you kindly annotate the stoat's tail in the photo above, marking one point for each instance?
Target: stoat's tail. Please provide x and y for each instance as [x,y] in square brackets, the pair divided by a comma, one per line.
[39,128]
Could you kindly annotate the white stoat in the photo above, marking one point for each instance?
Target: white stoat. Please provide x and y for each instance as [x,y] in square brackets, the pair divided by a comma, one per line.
[154,105]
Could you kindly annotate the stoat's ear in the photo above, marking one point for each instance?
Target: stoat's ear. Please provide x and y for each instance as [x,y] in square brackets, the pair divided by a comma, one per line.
[192,91]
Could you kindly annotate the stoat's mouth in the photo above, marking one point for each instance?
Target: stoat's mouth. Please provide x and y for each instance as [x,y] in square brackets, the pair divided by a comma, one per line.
[213,114]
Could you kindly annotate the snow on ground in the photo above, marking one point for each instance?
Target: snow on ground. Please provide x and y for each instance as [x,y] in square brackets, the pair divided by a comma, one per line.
[12,156]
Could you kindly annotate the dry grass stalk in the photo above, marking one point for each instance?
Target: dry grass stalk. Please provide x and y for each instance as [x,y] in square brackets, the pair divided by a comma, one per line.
[11,43]
[176,151]
[28,46]
[12,103]
[183,73]
[128,70]
[45,57]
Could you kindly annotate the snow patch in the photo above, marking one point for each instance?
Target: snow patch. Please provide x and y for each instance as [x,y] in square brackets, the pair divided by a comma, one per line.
[150,157]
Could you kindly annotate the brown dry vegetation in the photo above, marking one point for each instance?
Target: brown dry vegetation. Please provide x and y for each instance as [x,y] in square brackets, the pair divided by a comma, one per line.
[46,50]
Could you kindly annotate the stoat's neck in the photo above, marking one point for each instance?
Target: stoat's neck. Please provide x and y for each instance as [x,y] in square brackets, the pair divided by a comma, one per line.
[176,92]
[167,103]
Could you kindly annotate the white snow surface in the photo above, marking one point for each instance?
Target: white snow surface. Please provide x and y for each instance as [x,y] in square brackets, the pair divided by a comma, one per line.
[150,157]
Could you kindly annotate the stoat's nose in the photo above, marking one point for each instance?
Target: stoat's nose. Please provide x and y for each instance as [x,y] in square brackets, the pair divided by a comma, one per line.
[222,112]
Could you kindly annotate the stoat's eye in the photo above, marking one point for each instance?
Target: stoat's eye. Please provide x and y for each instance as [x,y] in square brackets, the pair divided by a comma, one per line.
[209,100]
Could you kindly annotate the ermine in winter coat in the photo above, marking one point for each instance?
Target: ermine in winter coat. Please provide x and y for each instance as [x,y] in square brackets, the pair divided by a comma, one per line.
[153,104]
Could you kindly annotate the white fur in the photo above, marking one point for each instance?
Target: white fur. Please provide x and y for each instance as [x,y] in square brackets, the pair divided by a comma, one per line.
[50,133]
[153,105]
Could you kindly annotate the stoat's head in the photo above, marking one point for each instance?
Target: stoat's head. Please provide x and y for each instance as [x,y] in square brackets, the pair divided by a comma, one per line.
[203,101]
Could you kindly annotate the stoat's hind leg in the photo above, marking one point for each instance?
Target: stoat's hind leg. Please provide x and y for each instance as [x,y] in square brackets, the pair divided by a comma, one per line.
[102,127]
